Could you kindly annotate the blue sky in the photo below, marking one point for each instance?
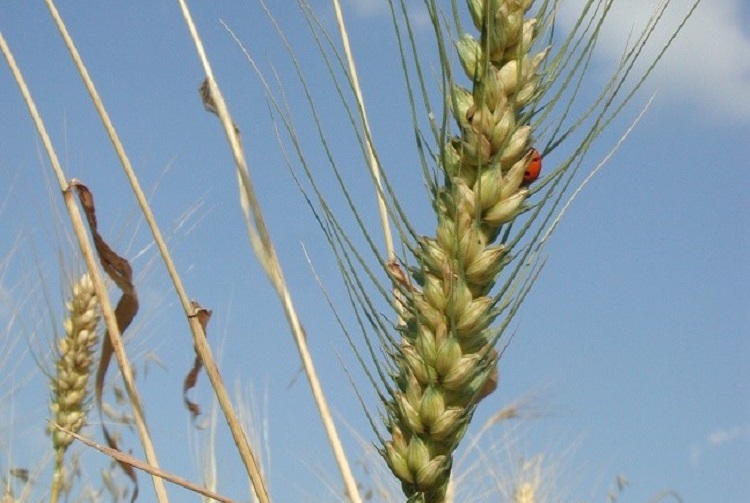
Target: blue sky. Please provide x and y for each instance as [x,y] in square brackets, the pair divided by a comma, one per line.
[633,344]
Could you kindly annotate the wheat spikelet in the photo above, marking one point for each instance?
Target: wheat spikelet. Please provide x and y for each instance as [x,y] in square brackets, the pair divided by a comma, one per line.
[525,493]
[69,384]
[447,362]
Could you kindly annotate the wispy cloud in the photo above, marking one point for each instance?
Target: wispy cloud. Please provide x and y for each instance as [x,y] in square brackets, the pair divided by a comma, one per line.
[719,438]
[706,68]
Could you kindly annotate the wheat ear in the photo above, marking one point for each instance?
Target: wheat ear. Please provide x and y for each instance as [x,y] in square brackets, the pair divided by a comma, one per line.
[70,382]
[446,361]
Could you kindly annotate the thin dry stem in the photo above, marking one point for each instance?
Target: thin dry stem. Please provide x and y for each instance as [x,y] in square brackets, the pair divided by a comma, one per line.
[152,470]
[265,251]
[238,434]
[93,268]
[371,158]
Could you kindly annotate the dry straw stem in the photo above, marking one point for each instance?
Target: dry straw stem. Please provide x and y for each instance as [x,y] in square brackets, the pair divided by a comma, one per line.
[137,463]
[372,159]
[92,266]
[266,254]
[199,338]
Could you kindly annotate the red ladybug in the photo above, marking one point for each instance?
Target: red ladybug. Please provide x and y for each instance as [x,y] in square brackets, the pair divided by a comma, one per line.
[534,167]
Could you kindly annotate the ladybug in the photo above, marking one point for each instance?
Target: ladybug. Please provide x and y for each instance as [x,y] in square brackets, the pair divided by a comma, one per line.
[534,167]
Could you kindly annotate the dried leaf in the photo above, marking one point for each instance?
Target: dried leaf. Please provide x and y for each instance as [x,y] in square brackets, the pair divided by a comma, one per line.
[21,474]
[210,105]
[192,377]
[119,270]
[208,101]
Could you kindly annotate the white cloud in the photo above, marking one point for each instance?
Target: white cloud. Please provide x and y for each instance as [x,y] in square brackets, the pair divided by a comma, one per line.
[707,67]
[719,438]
